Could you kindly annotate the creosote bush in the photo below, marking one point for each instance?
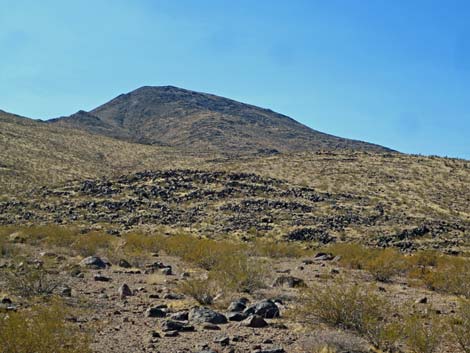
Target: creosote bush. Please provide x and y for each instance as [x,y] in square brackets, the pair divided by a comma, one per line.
[239,272]
[94,242]
[202,290]
[350,307]
[30,281]
[460,326]
[41,329]
[423,334]
[279,249]
[450,275]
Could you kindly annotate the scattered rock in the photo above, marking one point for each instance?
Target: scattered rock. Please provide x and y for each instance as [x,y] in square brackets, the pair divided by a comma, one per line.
[223,341]
[124,264]
[170,325]
[124,291]
[236,316]
[65,291]
[255,321]
[101,278]
[275,350]
[180,316]
[289,282]
[324,256]
[238,305]
[211,327]
[93,262]
[167,271]
[422,300]
[155,312]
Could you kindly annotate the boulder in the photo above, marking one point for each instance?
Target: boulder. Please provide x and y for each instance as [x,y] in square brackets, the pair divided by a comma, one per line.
[205,315]
[124,291]
[265,308]
[254,321]
[93,262]
[155,312]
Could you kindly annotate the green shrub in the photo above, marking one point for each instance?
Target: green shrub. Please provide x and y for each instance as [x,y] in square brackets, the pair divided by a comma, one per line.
[384,264]
[273,249]
[202,290]
[451,275]
[423,334]
[41,329]
[239,272]
[351,255]
[30,281]
[350,307]
[95,242]
[460,327]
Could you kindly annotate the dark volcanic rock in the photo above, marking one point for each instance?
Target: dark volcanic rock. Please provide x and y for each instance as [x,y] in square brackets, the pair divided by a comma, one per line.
[205,315]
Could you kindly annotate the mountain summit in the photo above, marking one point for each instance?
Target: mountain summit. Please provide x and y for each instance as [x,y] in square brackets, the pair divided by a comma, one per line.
[171,116]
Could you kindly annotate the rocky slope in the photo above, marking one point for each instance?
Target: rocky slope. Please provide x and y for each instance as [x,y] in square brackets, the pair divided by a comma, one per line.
[233,205]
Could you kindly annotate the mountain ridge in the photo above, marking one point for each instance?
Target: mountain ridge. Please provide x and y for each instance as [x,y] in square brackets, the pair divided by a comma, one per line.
[176,117]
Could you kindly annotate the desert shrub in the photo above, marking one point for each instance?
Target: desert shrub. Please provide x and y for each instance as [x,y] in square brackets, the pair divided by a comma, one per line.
[332,341]
[30,280]
[205,253]
[94,242]
[451,275]
[351,307]
[239,272]
[384,264]
[351,255]
[423,334]
[460,327]
[136,248]
[41,329]
[274,249]
[202,290]
[6,248]
[424,258]
[58,236]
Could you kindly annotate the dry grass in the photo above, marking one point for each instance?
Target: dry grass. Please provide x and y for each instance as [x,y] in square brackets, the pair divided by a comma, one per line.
[41,329]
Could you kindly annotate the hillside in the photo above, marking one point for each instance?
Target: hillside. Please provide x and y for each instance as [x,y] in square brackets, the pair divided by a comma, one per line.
[171,116]
[34,153]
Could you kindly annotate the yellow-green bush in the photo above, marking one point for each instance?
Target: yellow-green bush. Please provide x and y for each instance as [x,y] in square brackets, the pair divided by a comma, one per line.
[276,249]
[94,243]
[451,275]
[383,264]
[239,272]
[354,256]
[30,281]
[423,334]
[202,290]
[460,327]
[41,329]
[205,253]
[351,307]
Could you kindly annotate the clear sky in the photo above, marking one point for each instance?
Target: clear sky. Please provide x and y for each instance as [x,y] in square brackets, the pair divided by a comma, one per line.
[392,72]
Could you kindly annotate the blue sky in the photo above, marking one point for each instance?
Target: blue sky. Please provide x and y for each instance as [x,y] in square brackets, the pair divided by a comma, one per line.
[396,73]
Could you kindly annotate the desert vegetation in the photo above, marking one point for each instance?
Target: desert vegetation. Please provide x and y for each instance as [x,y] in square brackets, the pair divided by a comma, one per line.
[356,290]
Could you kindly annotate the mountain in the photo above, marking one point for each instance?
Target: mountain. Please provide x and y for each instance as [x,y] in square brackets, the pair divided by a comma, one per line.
[188,120]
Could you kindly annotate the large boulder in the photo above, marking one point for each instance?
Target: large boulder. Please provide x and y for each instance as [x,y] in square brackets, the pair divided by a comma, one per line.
[265,308]
[205,315]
